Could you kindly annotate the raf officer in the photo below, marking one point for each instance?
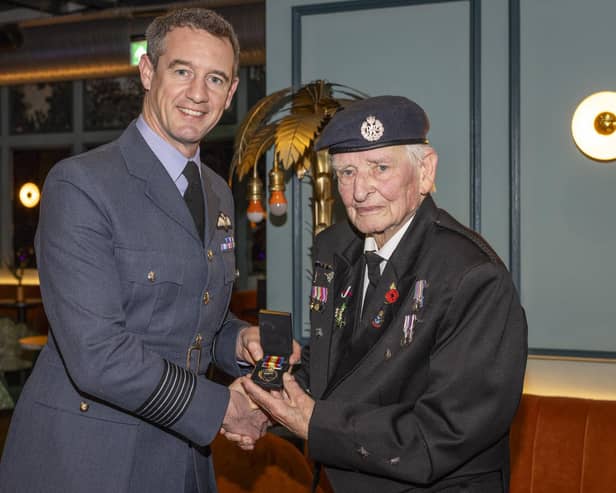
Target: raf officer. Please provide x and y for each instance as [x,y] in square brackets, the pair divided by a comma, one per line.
[136,255]
[418,346]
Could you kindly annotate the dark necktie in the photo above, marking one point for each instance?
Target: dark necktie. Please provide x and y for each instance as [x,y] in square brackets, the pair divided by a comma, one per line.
[193,196]
[373,261]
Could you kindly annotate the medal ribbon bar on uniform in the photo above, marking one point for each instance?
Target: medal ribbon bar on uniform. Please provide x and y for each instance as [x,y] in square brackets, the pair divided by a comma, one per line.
[229,244]
[319,293]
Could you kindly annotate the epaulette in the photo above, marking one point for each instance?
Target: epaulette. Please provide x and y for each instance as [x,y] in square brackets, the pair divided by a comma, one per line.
[452,225]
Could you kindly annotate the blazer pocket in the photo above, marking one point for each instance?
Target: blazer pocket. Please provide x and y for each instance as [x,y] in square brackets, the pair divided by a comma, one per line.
[223,245]
[82,445]
[77,434]
[151,284]
[229,266]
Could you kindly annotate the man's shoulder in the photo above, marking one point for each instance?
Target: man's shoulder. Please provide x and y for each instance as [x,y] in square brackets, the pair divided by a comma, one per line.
[459,238]
[337,235]
[100,159]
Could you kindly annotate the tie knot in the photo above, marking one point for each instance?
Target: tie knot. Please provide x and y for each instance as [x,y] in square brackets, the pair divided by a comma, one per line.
[191,172]
[373,258]
[373,261]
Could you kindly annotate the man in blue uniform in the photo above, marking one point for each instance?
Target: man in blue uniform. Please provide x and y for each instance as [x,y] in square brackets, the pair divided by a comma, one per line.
[135,248]
[418,341]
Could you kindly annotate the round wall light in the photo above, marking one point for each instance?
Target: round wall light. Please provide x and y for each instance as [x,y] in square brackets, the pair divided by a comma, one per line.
[594,126]
[29,195]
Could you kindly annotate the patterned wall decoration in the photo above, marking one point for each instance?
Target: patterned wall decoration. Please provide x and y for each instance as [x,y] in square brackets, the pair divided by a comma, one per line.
[111,104]
[41,108]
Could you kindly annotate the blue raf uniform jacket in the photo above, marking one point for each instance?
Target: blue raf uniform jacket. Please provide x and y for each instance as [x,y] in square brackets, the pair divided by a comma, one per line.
[127,286]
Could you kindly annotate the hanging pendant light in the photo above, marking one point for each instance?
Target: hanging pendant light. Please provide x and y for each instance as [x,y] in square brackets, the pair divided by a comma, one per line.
[255,211]
[278,202]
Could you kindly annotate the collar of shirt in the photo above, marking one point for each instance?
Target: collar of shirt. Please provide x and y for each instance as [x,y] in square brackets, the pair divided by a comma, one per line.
[172,159]
[385,252]
[388,248]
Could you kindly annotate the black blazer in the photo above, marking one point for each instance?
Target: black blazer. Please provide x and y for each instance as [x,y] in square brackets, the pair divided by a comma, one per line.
[425,412]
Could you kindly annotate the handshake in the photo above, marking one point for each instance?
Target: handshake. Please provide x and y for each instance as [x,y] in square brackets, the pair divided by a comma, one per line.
[251,409]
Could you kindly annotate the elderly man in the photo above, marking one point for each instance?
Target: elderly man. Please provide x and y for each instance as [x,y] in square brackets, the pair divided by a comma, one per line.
[418,344]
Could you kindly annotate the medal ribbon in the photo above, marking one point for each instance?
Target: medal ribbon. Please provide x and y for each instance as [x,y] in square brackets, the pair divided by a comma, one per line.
[274,362]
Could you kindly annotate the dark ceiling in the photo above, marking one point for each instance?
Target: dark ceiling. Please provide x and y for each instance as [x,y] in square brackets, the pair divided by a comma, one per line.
[44,40]
[16,10]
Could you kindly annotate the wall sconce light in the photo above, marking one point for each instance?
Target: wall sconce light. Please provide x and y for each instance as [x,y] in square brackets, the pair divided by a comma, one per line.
[593,126]
[29,195]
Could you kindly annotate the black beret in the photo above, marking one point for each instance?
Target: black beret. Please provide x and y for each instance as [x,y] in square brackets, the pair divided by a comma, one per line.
[375,122]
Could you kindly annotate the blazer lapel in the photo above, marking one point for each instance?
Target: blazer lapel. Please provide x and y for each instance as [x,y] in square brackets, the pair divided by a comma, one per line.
[347,295]
[382,310]
[212,205]
[160,189]
[399,273]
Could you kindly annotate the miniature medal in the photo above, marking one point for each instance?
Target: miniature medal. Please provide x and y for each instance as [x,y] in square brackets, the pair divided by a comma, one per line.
[339,312]
[411,320]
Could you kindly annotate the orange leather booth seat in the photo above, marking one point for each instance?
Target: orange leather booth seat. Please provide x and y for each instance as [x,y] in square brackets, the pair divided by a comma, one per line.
[275,465]
[563,445]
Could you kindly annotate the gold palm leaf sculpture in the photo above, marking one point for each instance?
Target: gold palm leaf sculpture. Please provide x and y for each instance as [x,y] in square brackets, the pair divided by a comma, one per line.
[290,121]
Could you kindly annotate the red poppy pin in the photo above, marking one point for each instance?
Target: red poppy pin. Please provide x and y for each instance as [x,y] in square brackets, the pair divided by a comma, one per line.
[392,295]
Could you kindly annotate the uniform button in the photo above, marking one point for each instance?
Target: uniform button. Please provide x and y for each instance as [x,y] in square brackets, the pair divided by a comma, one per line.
[151,276]
[84,406]
[206,297]
[210,255]
[318,332]
[387,354]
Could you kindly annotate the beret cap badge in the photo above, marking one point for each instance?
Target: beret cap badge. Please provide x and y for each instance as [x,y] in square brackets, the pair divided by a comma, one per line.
[372,129]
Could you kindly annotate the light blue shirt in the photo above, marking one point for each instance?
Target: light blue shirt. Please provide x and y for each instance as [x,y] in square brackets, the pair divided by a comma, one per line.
[172,159]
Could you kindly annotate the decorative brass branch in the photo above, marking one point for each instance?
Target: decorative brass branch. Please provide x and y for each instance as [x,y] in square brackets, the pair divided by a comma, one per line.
[291,122]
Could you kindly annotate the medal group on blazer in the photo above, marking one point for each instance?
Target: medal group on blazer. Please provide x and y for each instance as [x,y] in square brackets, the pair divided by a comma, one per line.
[410,320]
[224,222]
[319,295]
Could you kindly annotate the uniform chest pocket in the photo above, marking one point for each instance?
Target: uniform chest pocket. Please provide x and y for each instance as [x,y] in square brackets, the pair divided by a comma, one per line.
[151,284]
[222,248]
[229,266]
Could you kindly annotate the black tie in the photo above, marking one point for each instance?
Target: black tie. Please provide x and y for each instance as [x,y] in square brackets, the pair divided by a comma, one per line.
[373,261]
[193,196]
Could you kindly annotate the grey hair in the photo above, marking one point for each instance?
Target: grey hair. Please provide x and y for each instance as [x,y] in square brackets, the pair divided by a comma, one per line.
[195,18]
[417,152]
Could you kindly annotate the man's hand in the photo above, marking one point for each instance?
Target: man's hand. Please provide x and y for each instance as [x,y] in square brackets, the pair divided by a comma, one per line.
[238,387]
[293,409]
[248,346]
[243,423]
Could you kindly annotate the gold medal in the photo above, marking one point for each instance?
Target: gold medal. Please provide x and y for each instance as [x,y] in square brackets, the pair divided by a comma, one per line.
[268,375]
